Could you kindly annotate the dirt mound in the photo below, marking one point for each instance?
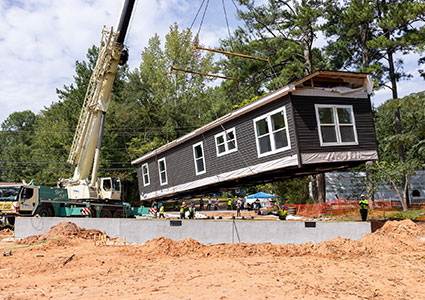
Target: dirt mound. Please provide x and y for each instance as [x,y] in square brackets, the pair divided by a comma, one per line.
[407,227]
[168,247]
[63,230]
[393,237]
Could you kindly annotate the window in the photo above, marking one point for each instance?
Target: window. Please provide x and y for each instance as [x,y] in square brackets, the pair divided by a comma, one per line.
[225,142]
[198,156]
[336,125]
[27,193]
[145,174]
[162,169]
[271,132]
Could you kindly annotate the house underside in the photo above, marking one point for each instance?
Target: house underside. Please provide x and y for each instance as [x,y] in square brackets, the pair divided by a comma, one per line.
[256,179]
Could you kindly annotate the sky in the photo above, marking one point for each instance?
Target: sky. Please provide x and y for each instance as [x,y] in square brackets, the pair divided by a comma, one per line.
[40,40]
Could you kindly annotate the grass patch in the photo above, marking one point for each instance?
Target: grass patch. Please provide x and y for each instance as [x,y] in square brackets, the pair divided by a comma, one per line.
[411,214]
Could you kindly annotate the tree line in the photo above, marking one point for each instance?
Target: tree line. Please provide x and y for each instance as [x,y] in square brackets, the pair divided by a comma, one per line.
[153,105]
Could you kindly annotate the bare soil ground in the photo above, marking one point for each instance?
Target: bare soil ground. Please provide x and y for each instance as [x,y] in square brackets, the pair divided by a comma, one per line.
[387,264]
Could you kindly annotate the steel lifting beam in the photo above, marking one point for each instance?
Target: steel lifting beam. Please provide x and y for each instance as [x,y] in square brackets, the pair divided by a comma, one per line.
[196,47]
[203,74]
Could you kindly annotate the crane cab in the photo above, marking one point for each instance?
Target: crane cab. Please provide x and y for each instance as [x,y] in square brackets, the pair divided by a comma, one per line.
[110,188]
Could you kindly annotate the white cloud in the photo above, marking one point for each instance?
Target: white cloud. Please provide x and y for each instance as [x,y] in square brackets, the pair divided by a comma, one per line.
[40,40]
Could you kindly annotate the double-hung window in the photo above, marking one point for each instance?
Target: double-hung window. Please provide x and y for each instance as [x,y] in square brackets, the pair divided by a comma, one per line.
[145,174]
[162,170]
[336,125]
[271,132]
[225,142]
[199,157]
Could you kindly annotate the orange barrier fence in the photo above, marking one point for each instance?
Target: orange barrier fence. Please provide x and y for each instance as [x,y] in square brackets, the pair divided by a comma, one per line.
[339,206]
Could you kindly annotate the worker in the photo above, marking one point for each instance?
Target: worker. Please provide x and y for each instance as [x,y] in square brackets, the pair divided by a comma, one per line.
[183,211]
[161,211]
[282,212]
[229,204]
[192,211]
[364,206]
[238,208]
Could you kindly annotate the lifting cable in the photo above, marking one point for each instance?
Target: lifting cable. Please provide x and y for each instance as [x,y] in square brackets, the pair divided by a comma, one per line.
[196,47]
[203,74]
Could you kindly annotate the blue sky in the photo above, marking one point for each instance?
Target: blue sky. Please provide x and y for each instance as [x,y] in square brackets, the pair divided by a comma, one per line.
[40,40]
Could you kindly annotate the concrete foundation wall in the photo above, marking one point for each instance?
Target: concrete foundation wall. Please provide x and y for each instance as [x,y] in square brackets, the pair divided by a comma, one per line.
[205,231]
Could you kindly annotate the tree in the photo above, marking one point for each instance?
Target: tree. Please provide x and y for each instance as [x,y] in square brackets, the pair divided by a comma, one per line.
[16,139]
[168,104]
[282,31]
[397,174]
[412,109]
[367,34]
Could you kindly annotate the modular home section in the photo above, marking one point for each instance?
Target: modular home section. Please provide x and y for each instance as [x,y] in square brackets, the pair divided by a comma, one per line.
[321,122]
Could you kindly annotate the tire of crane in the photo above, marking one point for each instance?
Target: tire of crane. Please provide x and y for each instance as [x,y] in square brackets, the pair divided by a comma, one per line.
[44,211]
[117,214]
[105,213]
[11,221]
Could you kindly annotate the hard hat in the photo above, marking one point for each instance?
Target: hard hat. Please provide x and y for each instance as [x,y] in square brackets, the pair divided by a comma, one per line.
[183,203]
[160,204]
[192,204]
[362,195]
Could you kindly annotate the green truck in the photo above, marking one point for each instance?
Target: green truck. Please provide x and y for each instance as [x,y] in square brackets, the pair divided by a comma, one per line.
[32,200]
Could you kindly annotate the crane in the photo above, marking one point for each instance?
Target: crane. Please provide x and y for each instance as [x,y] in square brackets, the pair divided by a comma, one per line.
[85,148]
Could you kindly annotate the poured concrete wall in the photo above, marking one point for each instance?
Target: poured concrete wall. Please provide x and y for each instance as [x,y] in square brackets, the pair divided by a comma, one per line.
[204,231]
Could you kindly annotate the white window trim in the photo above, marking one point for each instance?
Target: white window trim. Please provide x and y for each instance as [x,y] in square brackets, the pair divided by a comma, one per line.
[223,133]
[203,158]
[267,115]
[338,132]
[143,175]
[165,170]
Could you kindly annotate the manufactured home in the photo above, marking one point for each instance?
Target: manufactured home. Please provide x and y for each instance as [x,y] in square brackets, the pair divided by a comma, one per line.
[320,123]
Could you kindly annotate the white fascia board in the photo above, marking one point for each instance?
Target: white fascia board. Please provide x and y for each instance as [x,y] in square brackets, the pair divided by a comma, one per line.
[328,157]
[230,116]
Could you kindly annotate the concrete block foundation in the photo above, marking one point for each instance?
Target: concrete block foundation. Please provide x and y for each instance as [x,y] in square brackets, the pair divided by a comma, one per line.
[205,231]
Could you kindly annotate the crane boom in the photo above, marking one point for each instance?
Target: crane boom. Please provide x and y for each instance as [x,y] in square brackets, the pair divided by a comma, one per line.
[85,148]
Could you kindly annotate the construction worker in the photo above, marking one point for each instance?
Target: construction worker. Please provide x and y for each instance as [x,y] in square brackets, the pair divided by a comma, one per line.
[183,211]
[192,211]
[161,211]
[364,207]
[229,204]
[282,212]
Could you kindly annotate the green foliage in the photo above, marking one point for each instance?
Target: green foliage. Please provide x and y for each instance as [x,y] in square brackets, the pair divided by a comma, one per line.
[284,32]
[294,191]
[412,108]
[364,35]
[397,174]
[16,140]
[169,105]
[410,214]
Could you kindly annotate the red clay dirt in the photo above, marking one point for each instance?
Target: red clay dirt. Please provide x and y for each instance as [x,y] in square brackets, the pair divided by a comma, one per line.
[387,264]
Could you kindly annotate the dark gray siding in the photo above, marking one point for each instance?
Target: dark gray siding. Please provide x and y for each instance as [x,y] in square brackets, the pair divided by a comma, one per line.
[306,123]
[180,162]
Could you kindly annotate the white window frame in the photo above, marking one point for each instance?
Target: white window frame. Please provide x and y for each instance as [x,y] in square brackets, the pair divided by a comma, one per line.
[273,144]
[143,174]
[165,170]
[224,134]
[203,158]
[339,141]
